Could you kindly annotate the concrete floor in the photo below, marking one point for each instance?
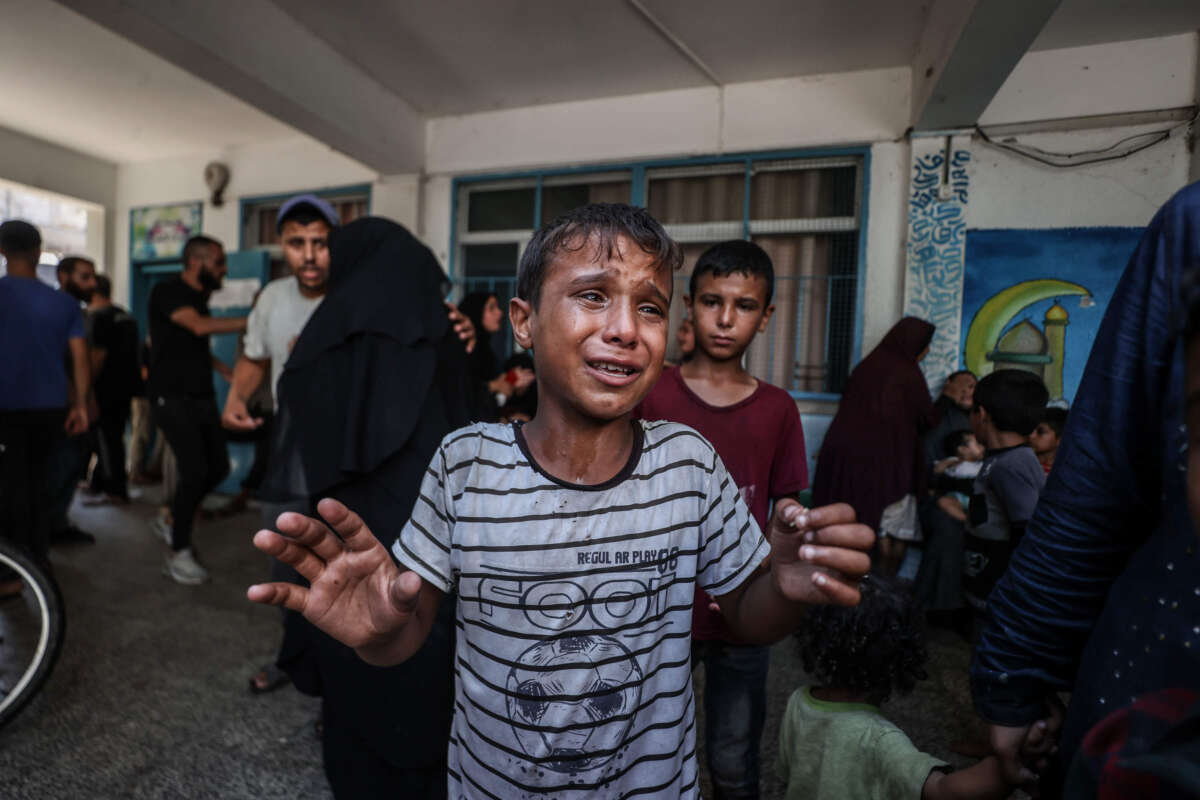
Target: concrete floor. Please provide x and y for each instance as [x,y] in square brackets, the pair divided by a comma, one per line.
[150,700]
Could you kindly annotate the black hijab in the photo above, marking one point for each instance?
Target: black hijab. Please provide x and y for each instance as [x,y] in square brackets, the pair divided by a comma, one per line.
[483,362]
[353,388]
[375,380]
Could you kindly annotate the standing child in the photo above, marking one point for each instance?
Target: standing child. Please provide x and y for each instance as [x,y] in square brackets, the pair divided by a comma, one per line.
[756,431]
[1045,436]
[834,742]
[575,543]
[1008,405]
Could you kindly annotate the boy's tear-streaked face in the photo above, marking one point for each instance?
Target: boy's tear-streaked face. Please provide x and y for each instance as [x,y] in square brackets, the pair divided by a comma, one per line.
[600,329]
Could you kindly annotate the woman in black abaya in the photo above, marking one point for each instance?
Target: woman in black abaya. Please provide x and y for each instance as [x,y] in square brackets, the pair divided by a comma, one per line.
[375,380]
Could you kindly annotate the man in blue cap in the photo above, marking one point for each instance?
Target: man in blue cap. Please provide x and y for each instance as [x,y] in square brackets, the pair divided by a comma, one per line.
[284,305]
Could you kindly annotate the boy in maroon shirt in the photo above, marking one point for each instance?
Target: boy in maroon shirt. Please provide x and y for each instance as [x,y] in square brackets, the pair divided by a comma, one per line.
[756,431]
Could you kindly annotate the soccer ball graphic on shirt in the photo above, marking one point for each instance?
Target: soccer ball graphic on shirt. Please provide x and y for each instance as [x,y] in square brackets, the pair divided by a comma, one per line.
[588,684]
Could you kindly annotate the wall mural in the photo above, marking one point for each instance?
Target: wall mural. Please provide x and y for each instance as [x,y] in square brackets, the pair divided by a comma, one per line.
[159,232]
[936,251]
[1033,299]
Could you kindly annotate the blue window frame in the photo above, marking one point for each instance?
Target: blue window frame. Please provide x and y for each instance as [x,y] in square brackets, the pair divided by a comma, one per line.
[818,314]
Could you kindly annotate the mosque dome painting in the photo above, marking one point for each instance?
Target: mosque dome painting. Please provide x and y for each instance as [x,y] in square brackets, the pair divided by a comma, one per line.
[1034,299]
[993,342]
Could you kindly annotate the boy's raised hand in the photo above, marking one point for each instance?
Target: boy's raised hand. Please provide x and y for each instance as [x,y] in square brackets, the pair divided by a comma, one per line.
[818,554]
[356,594]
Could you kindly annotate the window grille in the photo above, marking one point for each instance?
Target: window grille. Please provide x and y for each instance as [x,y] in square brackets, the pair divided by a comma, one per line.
[805,212]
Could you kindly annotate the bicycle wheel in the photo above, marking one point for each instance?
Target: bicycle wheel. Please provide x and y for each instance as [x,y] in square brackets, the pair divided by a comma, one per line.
[32,625]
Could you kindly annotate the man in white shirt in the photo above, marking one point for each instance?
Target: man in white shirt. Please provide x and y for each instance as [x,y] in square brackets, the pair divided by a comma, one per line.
[279,314]
[284,305]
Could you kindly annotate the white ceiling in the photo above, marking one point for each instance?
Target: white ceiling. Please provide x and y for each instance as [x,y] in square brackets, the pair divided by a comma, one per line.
[73,83]
[1082,22]
[79,85]
[458,56]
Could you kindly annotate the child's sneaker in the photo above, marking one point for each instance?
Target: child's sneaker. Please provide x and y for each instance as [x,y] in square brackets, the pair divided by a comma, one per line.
[182,567]
[160,528]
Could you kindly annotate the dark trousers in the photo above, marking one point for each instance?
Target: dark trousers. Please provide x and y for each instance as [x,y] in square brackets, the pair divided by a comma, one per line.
[735,709]
[938,585]
[68,466]
[29,441]
[108,443]
[356,772]
[192,426]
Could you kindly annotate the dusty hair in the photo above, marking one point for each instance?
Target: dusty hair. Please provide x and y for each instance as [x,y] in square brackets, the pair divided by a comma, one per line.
[596,225]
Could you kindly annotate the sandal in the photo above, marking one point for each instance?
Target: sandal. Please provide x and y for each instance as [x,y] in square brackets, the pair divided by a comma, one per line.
[268,679]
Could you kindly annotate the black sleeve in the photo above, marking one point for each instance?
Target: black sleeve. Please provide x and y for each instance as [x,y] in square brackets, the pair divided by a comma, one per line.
[167,298]
[101,333]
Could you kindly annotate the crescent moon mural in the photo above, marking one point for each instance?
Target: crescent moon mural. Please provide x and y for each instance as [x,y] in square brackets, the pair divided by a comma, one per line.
[994,315]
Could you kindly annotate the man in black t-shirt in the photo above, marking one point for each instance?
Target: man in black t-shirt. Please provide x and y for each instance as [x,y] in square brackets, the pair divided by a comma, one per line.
[115,353]
[181,393]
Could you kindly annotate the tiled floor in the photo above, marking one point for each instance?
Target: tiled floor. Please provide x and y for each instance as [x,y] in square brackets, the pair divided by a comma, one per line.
[149,699]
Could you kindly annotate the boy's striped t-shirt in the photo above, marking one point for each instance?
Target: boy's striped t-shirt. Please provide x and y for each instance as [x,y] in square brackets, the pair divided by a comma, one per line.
[573,659]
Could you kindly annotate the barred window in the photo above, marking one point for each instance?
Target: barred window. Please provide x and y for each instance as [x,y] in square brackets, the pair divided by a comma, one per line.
[805,212]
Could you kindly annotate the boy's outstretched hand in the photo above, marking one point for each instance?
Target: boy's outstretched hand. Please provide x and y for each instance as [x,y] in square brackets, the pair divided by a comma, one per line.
[356,593]
[818,554]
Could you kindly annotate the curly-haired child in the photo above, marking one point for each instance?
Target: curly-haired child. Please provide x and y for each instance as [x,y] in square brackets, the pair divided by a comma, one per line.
[834,741]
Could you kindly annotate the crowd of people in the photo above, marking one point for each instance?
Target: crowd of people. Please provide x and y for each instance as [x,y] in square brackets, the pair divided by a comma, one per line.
[499,572]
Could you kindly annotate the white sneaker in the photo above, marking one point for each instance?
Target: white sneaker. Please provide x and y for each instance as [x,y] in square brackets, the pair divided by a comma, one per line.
[160,528]
[182,567]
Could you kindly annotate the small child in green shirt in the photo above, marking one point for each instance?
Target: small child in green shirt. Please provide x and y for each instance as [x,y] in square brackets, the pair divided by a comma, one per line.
[835,742]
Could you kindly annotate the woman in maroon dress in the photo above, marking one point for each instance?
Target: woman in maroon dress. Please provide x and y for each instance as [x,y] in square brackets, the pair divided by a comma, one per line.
[872,454]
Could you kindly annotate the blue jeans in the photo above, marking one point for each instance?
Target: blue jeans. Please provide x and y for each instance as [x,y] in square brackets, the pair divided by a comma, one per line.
[735,709]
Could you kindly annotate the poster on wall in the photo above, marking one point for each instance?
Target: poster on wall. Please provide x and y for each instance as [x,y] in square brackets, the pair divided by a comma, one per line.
[1033,299]
[159,232]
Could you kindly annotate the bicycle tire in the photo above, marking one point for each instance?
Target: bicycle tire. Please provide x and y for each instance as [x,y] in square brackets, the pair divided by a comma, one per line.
[53,623]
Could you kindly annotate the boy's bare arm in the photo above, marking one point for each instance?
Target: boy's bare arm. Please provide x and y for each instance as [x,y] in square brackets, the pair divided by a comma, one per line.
[982,781]
[203,325]
[945,464]
[817,557]
[990,779]
[356,593]
[952,507]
